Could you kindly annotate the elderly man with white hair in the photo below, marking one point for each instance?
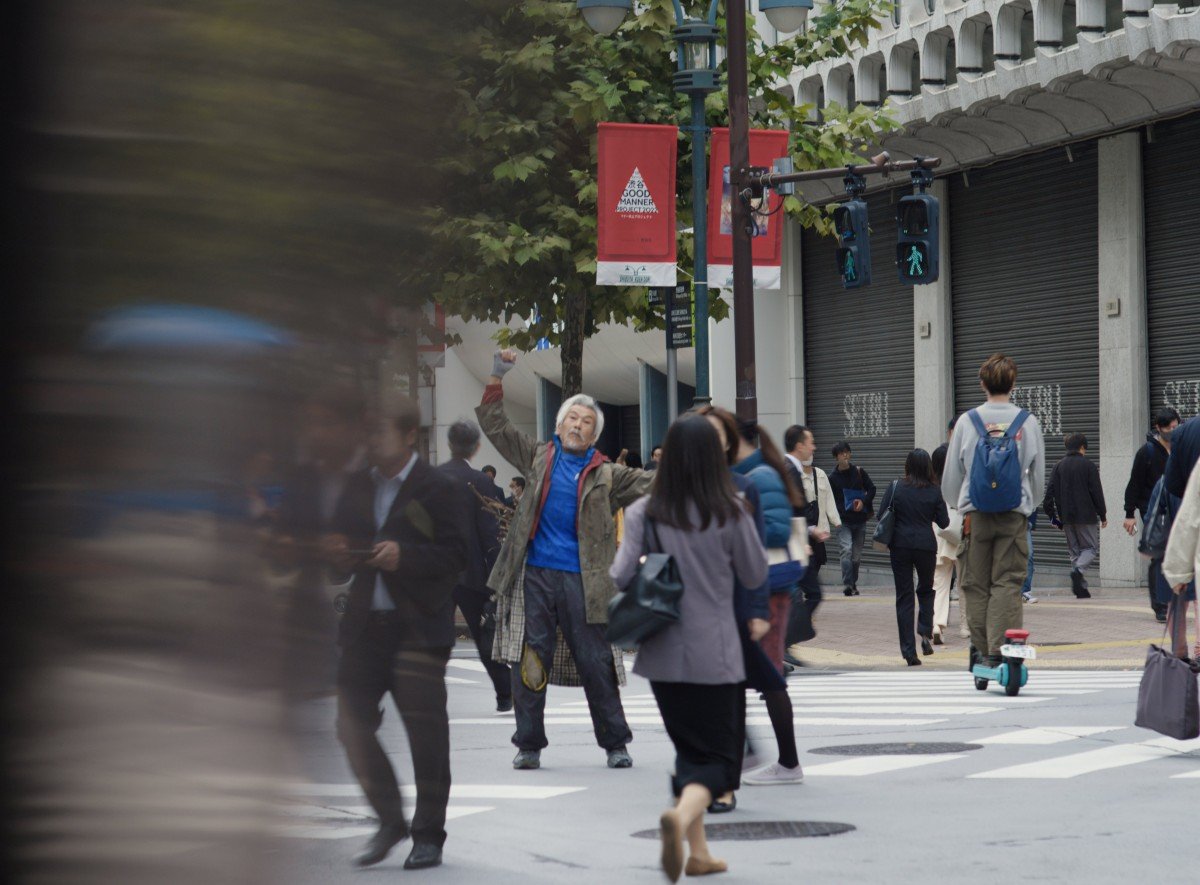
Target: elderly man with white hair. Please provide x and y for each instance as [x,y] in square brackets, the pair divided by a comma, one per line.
[552,572]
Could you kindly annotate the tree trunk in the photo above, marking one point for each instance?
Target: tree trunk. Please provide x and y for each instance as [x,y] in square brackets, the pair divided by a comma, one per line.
[574,323]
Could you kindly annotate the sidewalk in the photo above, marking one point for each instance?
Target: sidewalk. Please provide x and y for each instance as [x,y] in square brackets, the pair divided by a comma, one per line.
[1110,631]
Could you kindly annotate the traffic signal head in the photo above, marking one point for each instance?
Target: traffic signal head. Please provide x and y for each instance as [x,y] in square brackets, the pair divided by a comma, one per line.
[917,239]
[854,238]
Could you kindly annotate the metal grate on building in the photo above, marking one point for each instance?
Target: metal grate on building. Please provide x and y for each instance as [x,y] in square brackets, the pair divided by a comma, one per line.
[1023,249]
[1172,192]
[858,359]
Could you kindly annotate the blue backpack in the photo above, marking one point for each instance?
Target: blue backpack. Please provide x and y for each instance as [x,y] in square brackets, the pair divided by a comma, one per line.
[996,471]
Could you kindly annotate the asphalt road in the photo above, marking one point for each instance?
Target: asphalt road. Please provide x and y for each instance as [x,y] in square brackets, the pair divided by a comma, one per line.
[1061,787]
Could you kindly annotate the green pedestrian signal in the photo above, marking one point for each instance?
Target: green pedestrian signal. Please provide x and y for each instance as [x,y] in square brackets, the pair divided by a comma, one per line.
[854,252]
[917,239]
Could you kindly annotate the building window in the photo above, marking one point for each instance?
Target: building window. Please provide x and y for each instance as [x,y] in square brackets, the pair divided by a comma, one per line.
[930,6]
[896,13]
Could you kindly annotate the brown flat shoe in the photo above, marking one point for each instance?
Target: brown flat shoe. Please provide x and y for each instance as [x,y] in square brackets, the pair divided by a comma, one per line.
[672,844]
[697,867]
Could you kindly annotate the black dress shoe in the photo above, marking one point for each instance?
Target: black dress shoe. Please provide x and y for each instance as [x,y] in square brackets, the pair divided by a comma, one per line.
[912,660]
[381,844]
[926,646]
[719,807]
[424,855]
[504,705]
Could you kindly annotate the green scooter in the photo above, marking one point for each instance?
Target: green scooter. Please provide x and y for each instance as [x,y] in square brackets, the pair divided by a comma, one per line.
[1011,672]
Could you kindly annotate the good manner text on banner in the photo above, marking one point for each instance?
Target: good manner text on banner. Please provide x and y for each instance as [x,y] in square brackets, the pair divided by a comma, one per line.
[635,200]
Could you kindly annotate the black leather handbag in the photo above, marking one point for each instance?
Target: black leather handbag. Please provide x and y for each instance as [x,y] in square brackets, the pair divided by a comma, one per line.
[882,539]
[651,601]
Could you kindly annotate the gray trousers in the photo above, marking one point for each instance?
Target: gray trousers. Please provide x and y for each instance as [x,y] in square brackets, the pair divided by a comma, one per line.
[554,601]
[850,540]
[1083,543]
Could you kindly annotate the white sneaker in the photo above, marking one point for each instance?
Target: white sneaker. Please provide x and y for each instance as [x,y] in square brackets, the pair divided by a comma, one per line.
[750,762]
[1030,599]
[770,775]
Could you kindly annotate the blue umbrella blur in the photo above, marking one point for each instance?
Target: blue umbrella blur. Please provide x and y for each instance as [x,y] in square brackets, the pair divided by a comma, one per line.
[182,328]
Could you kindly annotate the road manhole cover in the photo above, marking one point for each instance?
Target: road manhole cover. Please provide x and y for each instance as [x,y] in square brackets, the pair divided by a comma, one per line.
[753,831]
[909,749]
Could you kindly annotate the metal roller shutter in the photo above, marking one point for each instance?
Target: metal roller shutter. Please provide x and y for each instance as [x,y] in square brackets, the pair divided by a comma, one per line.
[1023,248]
[1172,192]
[858,357]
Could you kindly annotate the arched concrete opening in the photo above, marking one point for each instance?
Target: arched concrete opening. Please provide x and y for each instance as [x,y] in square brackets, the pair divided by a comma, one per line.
[839,86]
[871,80]
[976,53]
[904,71]
[938,59]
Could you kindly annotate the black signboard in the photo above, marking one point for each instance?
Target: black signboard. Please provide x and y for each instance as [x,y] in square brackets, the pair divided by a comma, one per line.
[680,317]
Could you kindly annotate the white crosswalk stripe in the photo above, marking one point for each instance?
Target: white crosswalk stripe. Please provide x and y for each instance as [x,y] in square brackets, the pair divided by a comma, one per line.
[1092,761]
[884,699]
[326,811]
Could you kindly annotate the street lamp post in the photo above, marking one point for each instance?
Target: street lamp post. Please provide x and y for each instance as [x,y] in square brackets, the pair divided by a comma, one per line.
[696,76]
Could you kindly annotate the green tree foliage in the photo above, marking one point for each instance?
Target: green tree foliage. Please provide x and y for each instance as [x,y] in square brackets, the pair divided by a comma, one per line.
[259,157]
[517,236]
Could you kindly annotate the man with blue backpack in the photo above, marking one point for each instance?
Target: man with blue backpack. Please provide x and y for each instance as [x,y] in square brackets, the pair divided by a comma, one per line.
[994,476]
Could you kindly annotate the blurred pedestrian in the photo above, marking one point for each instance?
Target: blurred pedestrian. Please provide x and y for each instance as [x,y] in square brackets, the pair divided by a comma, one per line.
[655,457]
[1027,587]
[854,497]
[516,488]
[917,505]
[759,460]
[1148,466]
[552,572]
[949,545]
[695,665]
[333,444]
[1182,562]
[750,604]
[821,515]
[398,631]
[1074,503]
[471,593]
[490,472]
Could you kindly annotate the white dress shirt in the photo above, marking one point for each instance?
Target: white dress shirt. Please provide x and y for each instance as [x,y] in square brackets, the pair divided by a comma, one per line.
[386,491]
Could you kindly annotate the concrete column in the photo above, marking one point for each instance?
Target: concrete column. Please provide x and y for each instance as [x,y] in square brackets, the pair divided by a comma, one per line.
[1124,352]
[933,342]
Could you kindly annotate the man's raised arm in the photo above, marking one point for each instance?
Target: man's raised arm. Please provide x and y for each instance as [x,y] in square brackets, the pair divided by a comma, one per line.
[516,447]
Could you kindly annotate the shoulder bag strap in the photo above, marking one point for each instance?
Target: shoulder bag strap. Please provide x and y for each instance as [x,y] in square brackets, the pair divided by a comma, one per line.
[648,529]
[1015,427]
[978,422]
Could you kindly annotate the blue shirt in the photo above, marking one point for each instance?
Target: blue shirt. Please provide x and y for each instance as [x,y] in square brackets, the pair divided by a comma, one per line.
[556,544]
[386,491]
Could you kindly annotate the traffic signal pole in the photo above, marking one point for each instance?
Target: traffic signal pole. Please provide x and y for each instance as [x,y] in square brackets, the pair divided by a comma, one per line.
[881,165]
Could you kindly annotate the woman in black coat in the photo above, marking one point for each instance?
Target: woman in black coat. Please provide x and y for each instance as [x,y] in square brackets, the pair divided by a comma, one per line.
[917,503]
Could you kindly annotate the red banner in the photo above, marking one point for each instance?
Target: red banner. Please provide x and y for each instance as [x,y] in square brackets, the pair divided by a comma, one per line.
[766,145]
[635,202]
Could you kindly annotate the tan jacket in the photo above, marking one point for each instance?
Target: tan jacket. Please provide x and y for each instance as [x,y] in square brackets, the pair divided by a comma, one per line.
[1181,563]
[604,489]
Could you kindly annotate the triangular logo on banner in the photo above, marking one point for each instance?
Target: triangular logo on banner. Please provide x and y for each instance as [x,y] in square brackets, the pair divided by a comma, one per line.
[636,199]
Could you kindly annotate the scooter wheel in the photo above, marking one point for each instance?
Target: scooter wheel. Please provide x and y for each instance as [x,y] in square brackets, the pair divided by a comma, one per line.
[1014,679]
[981,684]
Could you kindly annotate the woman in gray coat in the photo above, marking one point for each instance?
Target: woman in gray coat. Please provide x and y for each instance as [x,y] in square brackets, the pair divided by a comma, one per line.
[695,665]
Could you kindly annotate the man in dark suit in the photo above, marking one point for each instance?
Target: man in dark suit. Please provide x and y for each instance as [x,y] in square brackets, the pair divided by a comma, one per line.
[333,434]
[399,529]
[471,593]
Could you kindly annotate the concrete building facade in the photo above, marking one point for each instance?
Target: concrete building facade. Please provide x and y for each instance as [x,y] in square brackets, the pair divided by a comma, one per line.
[1069,186]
